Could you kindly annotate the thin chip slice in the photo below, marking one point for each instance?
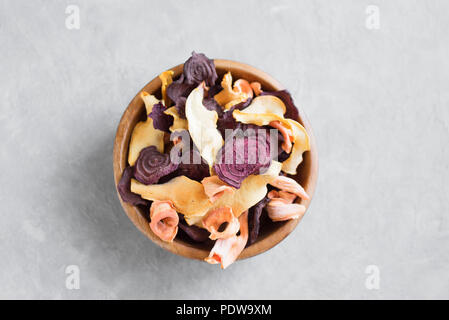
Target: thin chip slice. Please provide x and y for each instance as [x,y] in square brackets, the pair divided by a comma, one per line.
[266,104]
[202,125]
[231,96]
[278,210]
[179,123]
[187,195]
[166,79]
[215,188]
[144,134]
[218,217]
[164,220]
[226,251]
[301,144]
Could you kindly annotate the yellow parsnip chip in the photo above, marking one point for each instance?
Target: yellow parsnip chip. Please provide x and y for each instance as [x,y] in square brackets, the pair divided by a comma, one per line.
[301,144]
[166,79]
[144,134]
[178,122]
[259,119]
[187,195]
[266,104]
[202,125]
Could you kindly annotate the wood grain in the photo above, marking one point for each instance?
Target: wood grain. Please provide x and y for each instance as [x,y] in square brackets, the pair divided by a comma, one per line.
[270,235]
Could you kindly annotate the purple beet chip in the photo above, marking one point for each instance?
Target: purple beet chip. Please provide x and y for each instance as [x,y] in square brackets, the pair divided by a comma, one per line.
[151,165]
[244,153]
[124,189]
[195,233]
[254,214]
[199,68]
[161,121]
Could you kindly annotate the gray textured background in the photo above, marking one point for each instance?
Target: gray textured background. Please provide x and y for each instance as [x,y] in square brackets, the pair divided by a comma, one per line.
[377,100]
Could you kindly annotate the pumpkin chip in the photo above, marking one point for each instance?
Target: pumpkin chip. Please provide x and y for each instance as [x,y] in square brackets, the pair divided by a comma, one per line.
[144,134]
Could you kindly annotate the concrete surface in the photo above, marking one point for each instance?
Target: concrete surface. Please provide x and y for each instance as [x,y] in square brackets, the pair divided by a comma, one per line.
[377,100]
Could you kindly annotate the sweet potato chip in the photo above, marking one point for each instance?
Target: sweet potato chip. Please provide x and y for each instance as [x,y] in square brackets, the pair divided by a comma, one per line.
[215,188]
[202,125]
[164,220]
[226,251]
[289,185]
[218,217]
[278,210]
[144,134]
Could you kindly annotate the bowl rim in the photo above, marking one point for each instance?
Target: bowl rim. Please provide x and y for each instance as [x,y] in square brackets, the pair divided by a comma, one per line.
[181,248]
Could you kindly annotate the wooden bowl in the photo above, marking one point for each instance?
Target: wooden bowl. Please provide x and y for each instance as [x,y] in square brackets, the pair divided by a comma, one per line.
[271,233]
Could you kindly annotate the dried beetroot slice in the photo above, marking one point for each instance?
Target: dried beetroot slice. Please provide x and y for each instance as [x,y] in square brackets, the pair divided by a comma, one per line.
[254,214]
[193,169]
[177,89]
[285,96]
[178,92]
[124,189]
[226,120]
[213,105]
[195,233]
[199,68]
[161,121]
[151,165]
[243,154]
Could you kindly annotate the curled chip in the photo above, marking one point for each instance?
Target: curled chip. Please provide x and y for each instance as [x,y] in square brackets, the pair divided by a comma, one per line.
[221,217]
[286,134]
[164,220]
[203,126]
[284,95]
[230,96]
[226,251]
[281,206]
[301,143]
[144,134]
[289,185]
[215,188]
